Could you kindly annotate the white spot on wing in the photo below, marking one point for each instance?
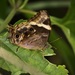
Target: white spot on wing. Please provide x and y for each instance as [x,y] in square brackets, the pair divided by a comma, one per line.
[41,25]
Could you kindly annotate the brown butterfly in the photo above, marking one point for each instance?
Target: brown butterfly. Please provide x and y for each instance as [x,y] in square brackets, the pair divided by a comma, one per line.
[32,34]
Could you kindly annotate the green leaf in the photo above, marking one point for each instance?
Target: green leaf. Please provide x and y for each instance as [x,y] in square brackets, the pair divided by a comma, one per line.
[29,61]
[64,50]
[9,67]
[67,25]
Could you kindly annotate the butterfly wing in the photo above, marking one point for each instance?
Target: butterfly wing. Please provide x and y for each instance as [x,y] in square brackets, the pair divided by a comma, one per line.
[34,33]
[41,23]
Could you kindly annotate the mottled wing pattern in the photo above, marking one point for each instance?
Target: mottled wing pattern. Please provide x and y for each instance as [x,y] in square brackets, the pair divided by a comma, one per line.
[34,33]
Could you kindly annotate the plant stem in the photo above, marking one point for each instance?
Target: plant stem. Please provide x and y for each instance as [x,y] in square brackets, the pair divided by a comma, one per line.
[27,11]
[7,20]
[48,4]
[12,2]
[24,4]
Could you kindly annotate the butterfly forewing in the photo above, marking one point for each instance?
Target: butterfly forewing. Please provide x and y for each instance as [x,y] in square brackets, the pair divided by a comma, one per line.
[34,33]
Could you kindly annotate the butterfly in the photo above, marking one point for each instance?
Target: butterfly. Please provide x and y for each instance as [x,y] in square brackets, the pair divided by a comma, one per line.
[32,34]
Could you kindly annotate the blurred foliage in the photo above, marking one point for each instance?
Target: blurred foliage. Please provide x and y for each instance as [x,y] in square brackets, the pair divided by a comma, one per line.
[23,60]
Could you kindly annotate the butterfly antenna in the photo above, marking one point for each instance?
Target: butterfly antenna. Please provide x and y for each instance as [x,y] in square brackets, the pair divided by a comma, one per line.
[56,40]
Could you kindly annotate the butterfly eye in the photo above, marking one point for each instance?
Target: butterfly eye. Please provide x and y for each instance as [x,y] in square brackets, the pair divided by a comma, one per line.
[17,36]
[31,29]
